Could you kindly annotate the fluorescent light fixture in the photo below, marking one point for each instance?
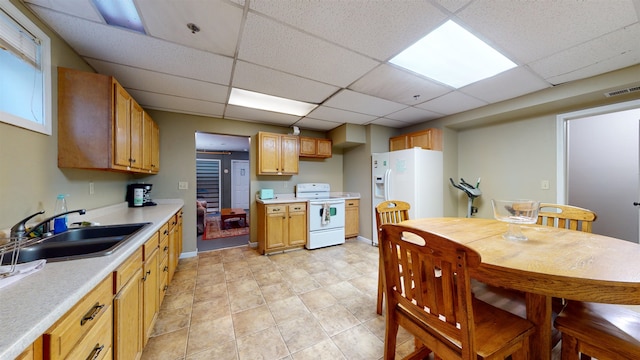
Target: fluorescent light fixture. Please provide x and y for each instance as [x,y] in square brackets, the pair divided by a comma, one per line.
[453,56]
[122,13]
[270,103]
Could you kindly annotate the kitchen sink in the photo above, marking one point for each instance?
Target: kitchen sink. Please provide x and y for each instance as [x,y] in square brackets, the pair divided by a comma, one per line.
[80,243]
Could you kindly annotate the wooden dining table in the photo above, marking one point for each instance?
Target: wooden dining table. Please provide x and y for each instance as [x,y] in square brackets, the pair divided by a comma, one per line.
[552,263]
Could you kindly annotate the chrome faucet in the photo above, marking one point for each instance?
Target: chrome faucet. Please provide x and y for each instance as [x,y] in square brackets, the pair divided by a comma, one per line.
[19,230]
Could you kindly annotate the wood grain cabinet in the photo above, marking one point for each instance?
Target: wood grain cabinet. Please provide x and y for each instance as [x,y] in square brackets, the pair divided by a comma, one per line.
[430,139]
[100,126]
[351,218]
[277,154]
[281,226]
[127,308]
[150,284]
[150,145]
[85,331]
[33,352]
[315,147]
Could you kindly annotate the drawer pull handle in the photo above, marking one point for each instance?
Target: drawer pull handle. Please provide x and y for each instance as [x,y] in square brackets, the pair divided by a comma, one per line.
[95,352]
[166,232]
[165,248]
[146,275]
[95,310]
[166,268]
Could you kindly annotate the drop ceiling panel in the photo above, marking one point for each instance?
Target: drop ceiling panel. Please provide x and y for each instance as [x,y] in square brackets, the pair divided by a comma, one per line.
[277,83]
[391,83]
[389,123]
[316,124]
[219,22]
[413,115]
[79,8]
[175,104]
[365,104]
[145,80]
[273,45]
[530,30]
[509,84]
[452,103]
[134,49]
[379,29]
[616,50]
[243,113]
[331,114]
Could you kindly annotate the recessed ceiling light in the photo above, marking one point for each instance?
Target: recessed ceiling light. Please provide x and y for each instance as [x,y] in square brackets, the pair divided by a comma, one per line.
[452,55]
[122,13]
[270,103]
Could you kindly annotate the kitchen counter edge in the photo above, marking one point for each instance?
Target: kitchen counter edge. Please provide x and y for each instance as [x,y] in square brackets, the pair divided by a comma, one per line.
[31,306]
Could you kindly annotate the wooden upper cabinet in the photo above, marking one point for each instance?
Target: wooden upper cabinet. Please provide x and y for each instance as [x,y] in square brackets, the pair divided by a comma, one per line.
[315,148]
[277,154]
[100,126]
[430,139]
[150,145]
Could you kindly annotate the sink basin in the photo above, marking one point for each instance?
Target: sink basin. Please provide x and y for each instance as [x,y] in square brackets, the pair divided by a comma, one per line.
[80,243]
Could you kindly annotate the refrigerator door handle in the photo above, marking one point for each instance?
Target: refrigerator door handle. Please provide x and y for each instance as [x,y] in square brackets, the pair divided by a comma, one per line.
[387,185]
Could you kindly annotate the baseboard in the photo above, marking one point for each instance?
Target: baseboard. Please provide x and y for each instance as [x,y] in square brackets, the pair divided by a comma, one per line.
[189,254]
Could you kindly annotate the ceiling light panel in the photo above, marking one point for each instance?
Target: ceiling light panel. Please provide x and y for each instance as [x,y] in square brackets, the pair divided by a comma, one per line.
[453,56]
[260,101]
[122,13]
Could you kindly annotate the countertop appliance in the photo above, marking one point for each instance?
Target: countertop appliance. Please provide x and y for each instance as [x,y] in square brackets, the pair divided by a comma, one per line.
[139,195]
[325,215]
[411,175]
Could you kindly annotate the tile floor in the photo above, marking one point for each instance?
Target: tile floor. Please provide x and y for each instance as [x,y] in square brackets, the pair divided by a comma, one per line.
[236,304]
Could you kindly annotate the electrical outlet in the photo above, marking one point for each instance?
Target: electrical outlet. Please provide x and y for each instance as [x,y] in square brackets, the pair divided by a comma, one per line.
[91,188]
[544,184]
[183,185]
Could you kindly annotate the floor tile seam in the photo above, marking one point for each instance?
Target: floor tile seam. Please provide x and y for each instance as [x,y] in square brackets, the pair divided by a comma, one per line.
[193,296]
[285,342]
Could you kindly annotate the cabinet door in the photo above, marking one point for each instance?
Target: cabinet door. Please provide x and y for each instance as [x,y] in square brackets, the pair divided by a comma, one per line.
[289,155]
[155,148]
[122,127]
[127,323]
[398,143]
[352,220]
[150,303]
[147,142]
[173,256]
[297,224]
[324,148]
[276,227]
[136,136]
[307,146]
[268,153]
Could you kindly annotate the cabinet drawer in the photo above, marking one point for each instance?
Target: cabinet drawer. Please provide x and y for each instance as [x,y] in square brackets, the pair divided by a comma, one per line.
[164,231]
[127,269]
[164,248]
[64,335]
[172,222]
[274,209]
[351,203]
[98,342]
[163,273]
[150,246]
[297,207]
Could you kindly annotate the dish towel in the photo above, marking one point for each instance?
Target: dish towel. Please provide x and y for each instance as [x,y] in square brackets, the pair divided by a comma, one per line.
[21,271]
[326,214]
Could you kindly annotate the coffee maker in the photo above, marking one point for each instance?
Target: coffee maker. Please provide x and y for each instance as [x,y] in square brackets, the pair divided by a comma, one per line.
[139,195]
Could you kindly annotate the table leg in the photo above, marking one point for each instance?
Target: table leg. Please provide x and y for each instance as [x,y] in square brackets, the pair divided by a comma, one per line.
[539,313]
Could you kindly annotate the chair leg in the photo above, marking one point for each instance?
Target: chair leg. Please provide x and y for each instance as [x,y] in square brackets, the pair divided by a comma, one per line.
[380,289]
[391,333]
[569,348]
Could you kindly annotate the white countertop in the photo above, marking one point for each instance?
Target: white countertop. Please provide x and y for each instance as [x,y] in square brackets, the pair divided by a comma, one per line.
[30,306]
[290,198]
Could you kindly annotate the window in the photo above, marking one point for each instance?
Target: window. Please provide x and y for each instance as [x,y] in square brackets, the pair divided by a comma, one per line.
[208,182]
[25,70]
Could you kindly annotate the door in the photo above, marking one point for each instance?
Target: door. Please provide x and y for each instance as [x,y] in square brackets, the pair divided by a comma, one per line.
[240,184]
[602,170]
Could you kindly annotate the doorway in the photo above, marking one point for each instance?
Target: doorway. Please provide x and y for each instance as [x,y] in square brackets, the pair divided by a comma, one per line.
[600,166]
[223,179]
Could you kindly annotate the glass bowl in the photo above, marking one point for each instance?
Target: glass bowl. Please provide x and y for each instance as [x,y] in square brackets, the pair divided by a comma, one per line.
[514,213]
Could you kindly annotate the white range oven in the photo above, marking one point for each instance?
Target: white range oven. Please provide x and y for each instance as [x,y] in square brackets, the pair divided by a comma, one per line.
[326,215]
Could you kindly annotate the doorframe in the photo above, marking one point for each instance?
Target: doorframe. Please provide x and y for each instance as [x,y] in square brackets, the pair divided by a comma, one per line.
[561,139]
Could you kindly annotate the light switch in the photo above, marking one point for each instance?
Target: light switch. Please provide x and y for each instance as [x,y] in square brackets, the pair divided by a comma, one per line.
[544,184]
[183,185]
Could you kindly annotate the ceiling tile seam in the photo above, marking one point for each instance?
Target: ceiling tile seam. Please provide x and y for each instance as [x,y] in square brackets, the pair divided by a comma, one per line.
[243,22]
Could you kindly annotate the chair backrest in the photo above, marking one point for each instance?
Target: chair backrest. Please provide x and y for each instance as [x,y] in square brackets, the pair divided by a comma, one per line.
[391,212]
[566,217]
[426,271]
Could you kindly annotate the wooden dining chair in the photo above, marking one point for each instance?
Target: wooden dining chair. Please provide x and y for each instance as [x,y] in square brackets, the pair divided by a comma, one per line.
[428,290]
[566,217]
[388,212]
[555,215]
[604,331]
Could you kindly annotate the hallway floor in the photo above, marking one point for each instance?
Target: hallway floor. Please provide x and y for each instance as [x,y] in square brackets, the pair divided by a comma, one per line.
[236,304]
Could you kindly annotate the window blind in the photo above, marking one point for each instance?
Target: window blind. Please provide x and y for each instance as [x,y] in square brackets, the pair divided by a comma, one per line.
[208,182]
[19,41]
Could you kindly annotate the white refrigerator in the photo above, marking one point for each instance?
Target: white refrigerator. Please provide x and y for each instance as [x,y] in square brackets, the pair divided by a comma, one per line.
[411,175]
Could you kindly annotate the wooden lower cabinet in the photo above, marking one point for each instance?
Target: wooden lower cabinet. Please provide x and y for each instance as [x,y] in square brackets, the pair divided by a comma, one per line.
[67,336]
[33,352]
[150,285]
[351,218]
[127,309]
[281,226]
